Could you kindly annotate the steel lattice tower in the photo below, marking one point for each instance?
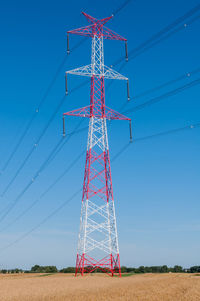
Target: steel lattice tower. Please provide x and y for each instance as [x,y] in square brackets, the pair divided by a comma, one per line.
[98,229]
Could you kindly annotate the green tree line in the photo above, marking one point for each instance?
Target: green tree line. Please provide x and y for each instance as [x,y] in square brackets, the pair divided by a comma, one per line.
[142,269]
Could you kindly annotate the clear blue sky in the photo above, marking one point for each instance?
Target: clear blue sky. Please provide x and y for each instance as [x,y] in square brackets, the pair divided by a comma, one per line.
[156,182]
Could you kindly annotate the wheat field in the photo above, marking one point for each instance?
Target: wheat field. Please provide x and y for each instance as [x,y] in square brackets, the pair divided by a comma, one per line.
[64,287]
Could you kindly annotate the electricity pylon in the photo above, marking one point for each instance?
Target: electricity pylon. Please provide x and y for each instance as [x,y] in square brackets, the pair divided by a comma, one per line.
[98,229]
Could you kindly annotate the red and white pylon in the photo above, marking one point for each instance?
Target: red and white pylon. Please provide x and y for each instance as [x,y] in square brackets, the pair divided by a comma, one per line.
[98,241]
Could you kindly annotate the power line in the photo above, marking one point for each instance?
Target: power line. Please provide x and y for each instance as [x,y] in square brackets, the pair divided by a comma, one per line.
[185,75]
[35,113]
[141,49]
[157,42]
[76,131]
[181,19]
[57,148]
[163,96]
[46,162]
[14,202]
[18,143]
[148,43]
[28,126]
[121,151]
[40,137]
[159,98]
[37,110]
[45,192]
[156,99]
[157,135]
[115,12]
[144,45]
[43,221]
[52,156]
[182,27]
[47,93]
[34,146]
[160,134]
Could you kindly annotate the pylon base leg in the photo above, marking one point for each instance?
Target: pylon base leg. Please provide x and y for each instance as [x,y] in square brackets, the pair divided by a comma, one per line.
[109,265]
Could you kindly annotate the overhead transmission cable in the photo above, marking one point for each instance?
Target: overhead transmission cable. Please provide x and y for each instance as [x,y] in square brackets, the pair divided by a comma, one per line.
[143,48]
[59,145]
[37,110]
[35,145]
[16,200]
[69,167]
[185,75]
[157,135]
[163,96]
[154,100]
[140,49]
[43,221]
[158,98]
[43,99]
[66,141]
[55,211]
[154,40]
[160,40]
[124,4]
[156,37]
[37,174]
[161,134]
[82,153]
[168,26]
[52,155]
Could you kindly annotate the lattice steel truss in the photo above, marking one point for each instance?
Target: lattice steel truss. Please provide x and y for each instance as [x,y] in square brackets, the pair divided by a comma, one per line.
[98,229]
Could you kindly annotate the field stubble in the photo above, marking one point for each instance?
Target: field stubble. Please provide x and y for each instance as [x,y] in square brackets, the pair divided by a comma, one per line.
[65,287]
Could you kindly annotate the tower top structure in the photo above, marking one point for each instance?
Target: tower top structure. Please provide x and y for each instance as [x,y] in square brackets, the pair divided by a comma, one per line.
[97,28]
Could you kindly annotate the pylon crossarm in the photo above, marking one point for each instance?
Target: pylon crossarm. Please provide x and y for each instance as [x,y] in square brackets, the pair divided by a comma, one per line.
[97,28]
[111,35]
[108,73]
[82,31]
[107,33]
[112,114]
[86,112]
[89,18]
[82,112]
[83,71]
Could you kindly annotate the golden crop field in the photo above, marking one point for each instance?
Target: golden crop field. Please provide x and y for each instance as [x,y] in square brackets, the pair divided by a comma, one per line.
[64,287]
